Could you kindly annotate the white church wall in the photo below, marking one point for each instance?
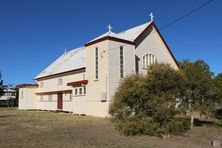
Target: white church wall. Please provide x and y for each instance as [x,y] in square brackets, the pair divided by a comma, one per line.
[114,64]
[27,98]
[52,84]
[96,87]
[67,102]
[43,102]
[153,44]
[79,105]
[97,108]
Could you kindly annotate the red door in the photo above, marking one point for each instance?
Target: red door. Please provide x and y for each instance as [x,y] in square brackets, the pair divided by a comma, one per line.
[59,101]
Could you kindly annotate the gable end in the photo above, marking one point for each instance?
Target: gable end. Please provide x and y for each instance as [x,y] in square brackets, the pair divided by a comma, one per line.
[157,30]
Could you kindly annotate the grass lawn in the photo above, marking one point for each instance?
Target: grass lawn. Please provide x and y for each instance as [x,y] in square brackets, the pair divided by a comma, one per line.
[47,129]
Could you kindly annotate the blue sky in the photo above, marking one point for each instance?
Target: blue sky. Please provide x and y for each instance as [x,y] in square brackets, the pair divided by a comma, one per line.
[33,33]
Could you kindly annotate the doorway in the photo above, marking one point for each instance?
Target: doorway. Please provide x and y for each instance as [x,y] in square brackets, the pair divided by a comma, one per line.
[59,101]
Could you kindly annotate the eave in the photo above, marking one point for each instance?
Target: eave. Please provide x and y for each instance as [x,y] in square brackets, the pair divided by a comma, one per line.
[60,74]
[78,83]
[110,38]
[27,86]
[54,92]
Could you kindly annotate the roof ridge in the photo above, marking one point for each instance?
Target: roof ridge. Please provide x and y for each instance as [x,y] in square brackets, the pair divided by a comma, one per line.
[134,27]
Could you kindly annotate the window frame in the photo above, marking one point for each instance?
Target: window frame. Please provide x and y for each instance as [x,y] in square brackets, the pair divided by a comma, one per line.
[121,58]
[84,90]
[60,81]
[81,91]
[76,92]
[148,60]
[96,63]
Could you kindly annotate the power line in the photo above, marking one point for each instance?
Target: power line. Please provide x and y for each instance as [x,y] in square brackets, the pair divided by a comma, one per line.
[180,18]
[187,14]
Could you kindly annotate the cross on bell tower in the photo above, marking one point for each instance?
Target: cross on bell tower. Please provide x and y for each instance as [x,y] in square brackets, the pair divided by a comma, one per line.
[151,16]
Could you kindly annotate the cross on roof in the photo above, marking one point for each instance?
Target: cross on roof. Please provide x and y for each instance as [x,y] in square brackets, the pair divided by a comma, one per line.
[151,16]
[109,27]
[65,50]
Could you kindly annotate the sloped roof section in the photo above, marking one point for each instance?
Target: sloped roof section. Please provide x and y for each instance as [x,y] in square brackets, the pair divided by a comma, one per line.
[127,35]
[110,34]
[71,60]
[133,33]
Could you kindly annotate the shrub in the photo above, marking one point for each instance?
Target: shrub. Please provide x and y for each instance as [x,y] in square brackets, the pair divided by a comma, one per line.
[179,125]
[136,126]
[146,104]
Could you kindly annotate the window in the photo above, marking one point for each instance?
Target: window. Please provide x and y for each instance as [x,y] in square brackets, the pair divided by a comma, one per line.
[148,59]
[49,97]
[96,64]
[80,90]
[76,91]
[70,97]
[60,81]
[121,62]
[84,90]
[41,84]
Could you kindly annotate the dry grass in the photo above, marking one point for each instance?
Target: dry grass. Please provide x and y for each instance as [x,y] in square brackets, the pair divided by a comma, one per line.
[47,129]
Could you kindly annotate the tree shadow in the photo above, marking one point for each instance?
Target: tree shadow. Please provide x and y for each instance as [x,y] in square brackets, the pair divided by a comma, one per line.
[218,113]
[198,122]
[5,116]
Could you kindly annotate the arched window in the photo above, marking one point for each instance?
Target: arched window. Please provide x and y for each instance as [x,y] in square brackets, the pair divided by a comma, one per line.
[148,59]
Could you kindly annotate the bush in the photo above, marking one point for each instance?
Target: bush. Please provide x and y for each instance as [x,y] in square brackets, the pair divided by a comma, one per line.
[179,125]
[147,104]
[136,126]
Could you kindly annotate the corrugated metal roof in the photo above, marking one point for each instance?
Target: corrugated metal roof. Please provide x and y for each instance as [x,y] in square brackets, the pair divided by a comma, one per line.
[133,33]
[130,34]
[70,60]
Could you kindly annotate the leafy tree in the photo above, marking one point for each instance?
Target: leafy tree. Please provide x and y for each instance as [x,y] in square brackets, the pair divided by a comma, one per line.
[165,85]
[1,84]
[146,104]
[218,84]
[130,98]
[200,93]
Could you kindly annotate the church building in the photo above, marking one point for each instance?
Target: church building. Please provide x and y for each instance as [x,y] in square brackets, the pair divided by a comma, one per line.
[84,80]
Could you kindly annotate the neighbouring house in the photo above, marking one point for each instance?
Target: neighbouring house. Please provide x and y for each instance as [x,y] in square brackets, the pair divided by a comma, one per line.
[84,80]
[9,94]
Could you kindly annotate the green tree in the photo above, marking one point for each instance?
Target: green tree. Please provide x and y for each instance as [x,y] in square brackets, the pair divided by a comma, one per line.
[130,98]
[218,84]
[165,86]
[200,93]
[146,104]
